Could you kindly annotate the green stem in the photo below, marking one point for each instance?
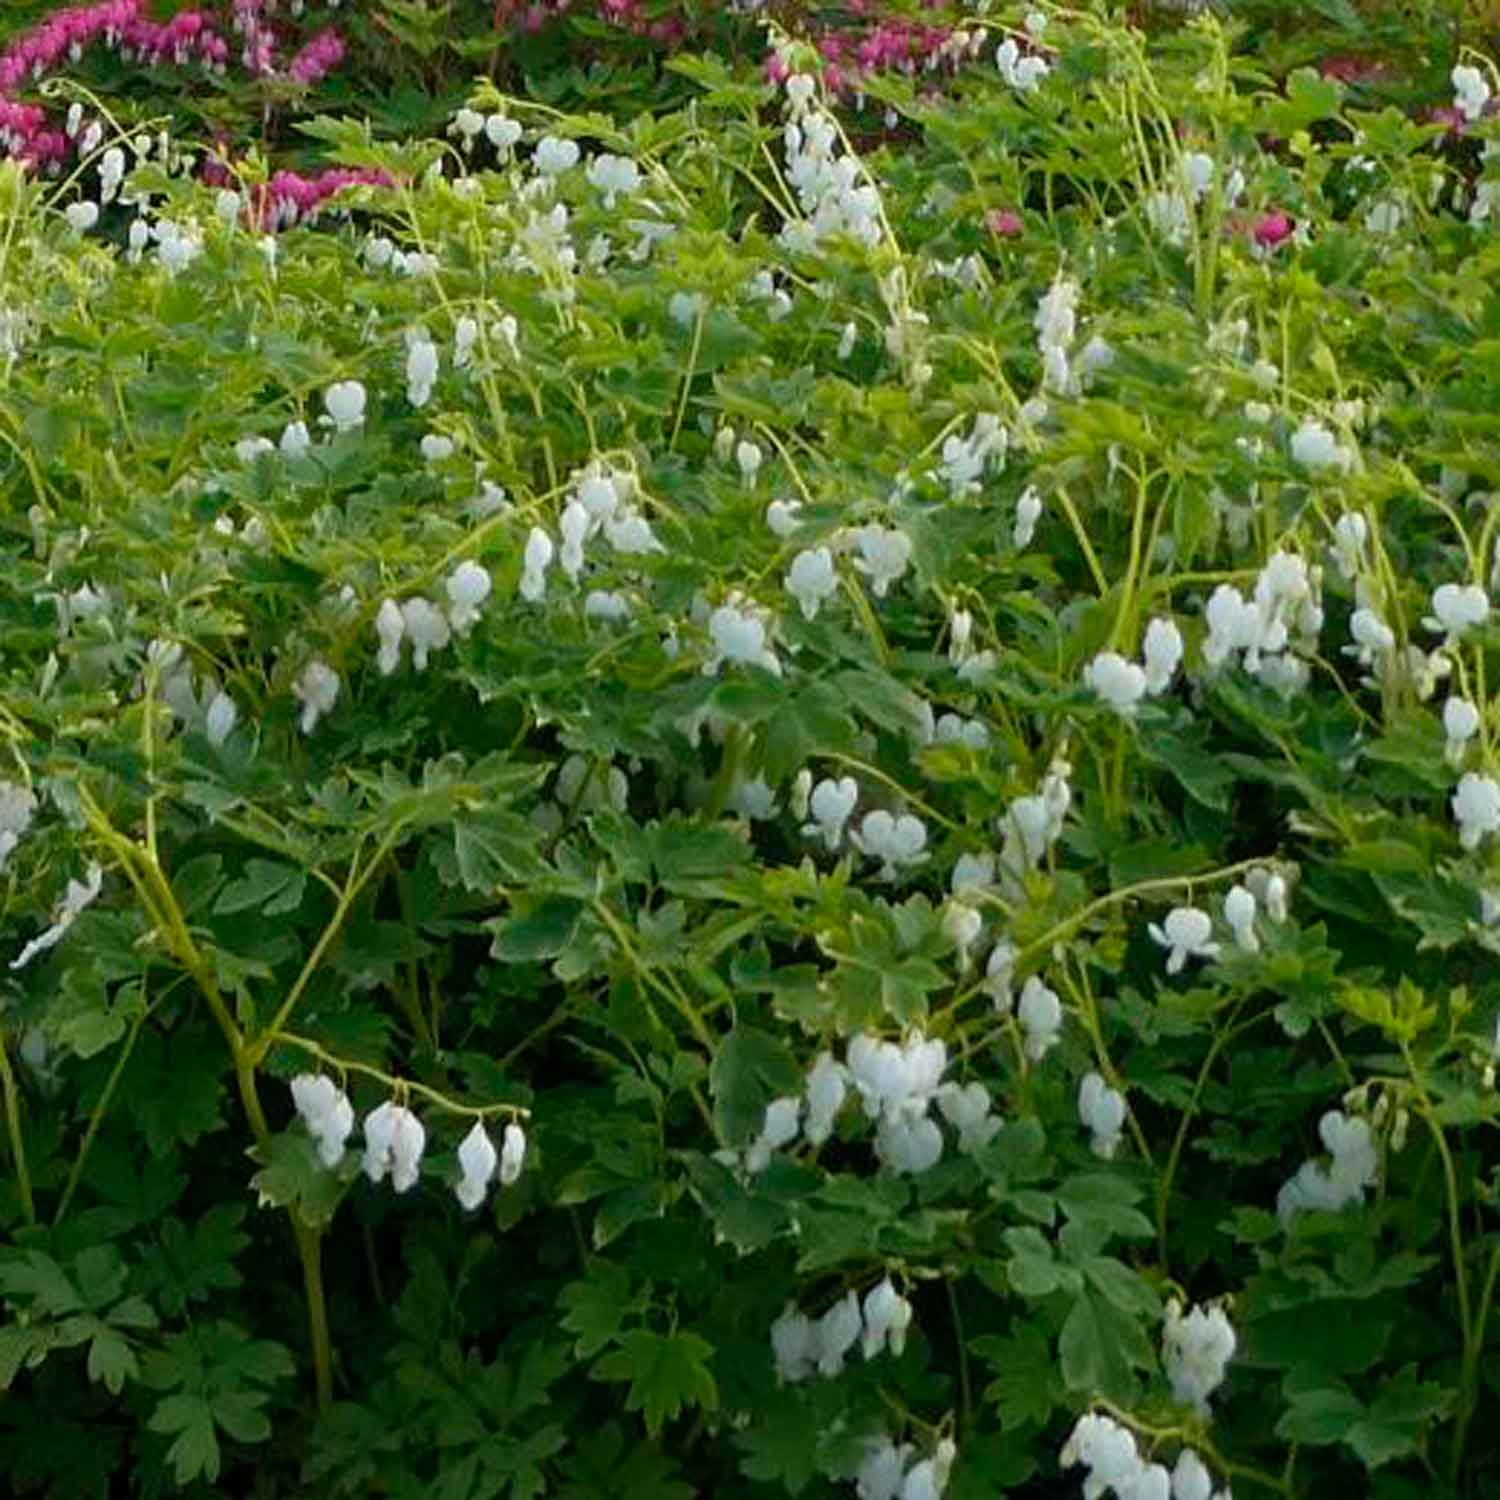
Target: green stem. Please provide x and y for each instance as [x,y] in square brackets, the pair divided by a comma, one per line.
[394,1084]
[13,1130]
[352,889]
[1080,533]
[966,1391]
[1469,1373]
[96,1119]
[1164,1186]
[687,379]
[310,1250]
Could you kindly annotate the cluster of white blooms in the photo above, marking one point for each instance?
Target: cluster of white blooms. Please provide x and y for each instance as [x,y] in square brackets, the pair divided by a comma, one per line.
[598,504]
[427,626]
[422,363]
[395,1140]
[762,288]
[833,198]
[1457,608]
[812,579]
[1460,725]
[198,702]
[499,130]
[1476,808]
[896,1084]
[1186,933]
[1101,1109]
[739,635]
[17,808]
[1122,684]
[966,459]
[1316,448]
[177,245]
[317,690]
[1350,534]
[1107,1449]
[882,555]
[954,729]
[1285,603]
[382,253]
[613,177]
[830,802]
[78,895]
[555,155]
[82,215]
[1022,71]
[1031,825]
[1353,1166]
[479,1162]
[897,840]
[326,1112]
[344,402]
[802,1346]
[884,1475]
[1239,913]
[1196,1348]
[1056,324]
[1471,91]
[1028,513]
[1372,640]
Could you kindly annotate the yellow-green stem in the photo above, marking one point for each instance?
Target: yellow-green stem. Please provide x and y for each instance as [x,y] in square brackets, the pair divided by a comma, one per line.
[13,1129]
[96,1119]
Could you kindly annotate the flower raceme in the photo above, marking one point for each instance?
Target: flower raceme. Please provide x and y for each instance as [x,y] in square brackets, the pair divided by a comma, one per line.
[327,1113]
[1353,1165]
[1186,933]
[1196,1349]
[803,1345]
[1102,1112]
[1108,1450]
[1476,808]
[395,1141]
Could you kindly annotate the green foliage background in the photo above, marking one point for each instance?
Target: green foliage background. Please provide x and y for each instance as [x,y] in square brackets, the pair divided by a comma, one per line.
[404,893]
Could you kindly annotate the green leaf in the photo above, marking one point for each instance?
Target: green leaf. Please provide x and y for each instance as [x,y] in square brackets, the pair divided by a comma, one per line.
[749,1070]
[1100,1346]
[491,848]
[597,1307]
[194,1453]
[1102,1202]
[292,1176]
[37,1276]
[1033,1269]
[1121,1287]
[112,1360]
[1321,1415]
[666,1372]
[787,1443]
[21,1347]
[598,1467]
[1393,1423]
[267,885]
[1026,1387]
[543,932]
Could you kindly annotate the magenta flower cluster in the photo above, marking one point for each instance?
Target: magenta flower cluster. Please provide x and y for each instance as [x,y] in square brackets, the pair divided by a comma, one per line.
[62,37]
[192,36]
[122,26]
